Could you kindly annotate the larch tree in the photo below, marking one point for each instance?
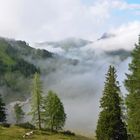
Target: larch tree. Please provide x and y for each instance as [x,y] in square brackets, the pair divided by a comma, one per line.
[110,124]
[132,84]
[54,114]
[36,101]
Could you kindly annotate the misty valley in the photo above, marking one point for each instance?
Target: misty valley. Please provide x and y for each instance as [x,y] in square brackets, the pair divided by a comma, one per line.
[69,69]
[59,86]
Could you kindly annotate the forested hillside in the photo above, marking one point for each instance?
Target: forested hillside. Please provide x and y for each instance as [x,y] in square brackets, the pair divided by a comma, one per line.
[15,69]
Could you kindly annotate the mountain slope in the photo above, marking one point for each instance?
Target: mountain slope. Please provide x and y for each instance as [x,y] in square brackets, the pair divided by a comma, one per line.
[15,69]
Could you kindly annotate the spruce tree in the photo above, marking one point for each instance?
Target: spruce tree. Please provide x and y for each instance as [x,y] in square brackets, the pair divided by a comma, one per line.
[54,114]
[2,111]
[132,84]
[110,124]
[36,101]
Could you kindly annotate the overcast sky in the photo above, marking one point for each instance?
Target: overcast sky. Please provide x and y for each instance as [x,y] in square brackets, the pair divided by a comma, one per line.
[44,20]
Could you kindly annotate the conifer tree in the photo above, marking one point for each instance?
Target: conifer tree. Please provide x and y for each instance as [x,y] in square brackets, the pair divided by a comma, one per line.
[36,101]
[19,113]
[110,124]
[2,111]
[54,114]
[132,84]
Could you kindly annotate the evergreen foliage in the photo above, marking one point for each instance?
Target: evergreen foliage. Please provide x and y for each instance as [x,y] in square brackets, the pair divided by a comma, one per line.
[26,125]
[54,112]
[2,111]
[19,113]
[36,101]
[132,84]
[110,124]
[25,68]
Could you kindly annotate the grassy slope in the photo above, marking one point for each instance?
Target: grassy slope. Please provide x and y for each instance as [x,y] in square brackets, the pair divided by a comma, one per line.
[16,133]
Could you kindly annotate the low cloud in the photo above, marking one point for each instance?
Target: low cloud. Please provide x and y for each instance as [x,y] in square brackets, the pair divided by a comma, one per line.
[43,20]
[124,37]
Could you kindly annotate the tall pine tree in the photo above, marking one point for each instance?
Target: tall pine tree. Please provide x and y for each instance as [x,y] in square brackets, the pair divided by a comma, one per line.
[110,124]
[2,111]
[132,84]
[36,101]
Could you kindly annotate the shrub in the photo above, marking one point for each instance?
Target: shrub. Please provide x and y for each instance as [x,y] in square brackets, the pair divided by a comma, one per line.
[69,133]
[26,125]
[7,125]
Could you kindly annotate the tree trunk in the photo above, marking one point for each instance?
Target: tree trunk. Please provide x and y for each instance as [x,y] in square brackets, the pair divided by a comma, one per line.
[39,117]
[52,124]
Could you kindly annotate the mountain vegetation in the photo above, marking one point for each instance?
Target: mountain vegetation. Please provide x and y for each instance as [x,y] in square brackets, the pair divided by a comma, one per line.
[17,67]
[47,111]
[54,113]
[133,98]
[17,133]
[19,113]
[120,52]
[2,111]
[110,124]
[36,101]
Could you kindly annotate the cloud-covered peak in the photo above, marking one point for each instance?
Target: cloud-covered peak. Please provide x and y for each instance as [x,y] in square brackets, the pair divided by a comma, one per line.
[123,37]
[106,36]
[66,43]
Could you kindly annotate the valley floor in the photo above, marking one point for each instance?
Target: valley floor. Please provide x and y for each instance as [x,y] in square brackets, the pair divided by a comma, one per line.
[16,133]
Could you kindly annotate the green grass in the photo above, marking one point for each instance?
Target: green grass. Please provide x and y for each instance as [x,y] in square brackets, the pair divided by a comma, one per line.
[16,133]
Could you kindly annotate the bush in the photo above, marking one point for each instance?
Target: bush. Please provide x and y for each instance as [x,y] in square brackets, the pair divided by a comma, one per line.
[26,125]
[7,125]
[69,133]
